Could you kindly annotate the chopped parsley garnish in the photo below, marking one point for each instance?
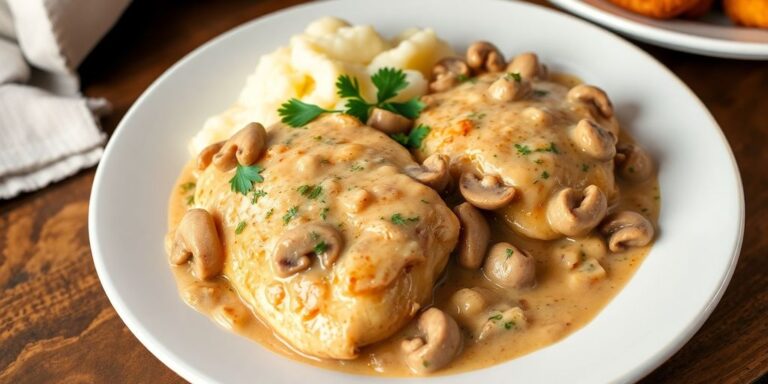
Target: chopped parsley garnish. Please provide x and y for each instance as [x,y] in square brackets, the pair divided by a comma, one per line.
[186,187]
[509,325]
[424,201]
[414,138]
[523,149]
[191,199]
[631,169]
[540,93]
[510,252]
[425,363]
[310,191]
[476,115]
[551,148]
[539,161]
[245,176]
[324,213]
[356,167]
[240,227]
[462,78]
[320,247]
[398,219]
[317,138]
[388,82]
[495,317]
[257,194]
[290,214]
[584,167]
[514,76]
[269,213]
[545,175]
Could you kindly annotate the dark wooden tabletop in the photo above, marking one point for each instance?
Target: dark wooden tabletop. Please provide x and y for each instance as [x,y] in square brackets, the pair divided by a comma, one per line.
[56,324]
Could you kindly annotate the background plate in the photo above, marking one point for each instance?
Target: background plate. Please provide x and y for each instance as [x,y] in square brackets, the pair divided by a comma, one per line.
[669,298]
[713,35]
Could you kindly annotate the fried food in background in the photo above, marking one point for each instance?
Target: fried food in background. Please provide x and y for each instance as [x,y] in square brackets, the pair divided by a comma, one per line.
[658,9]
[750,13]
[700,9]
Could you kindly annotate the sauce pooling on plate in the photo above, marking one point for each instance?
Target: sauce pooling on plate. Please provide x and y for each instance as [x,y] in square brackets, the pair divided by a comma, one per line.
[530,211]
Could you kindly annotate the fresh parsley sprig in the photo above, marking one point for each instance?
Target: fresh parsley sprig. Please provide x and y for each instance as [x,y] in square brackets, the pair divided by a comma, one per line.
[414,138]
[245,177]
[388,82]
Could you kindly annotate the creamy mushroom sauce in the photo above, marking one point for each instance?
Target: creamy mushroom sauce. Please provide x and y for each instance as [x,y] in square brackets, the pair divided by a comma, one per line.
[575,278]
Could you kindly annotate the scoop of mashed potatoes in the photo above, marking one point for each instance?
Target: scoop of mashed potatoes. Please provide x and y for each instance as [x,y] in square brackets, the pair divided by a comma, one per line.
[307,69]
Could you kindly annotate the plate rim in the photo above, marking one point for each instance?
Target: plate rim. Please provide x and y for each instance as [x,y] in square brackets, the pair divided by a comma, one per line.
[671,39]
[193,374]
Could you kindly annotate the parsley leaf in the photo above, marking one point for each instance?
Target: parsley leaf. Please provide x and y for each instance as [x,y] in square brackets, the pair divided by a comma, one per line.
[245,176]
[510,252]
[269,213]
[186,187]
[410,109]
[257,194]
[523,149]
[320,247]
[191,199]
[290,214]
[324,213]
[495,317]
[545,175]
[310,191]
[240,227]
[357,108]
[398,219]
[540,92]
[348,87]
[509,325]
[584,167]
[414,138]
[552,148]
[514,76]
[297,113]
[388,82]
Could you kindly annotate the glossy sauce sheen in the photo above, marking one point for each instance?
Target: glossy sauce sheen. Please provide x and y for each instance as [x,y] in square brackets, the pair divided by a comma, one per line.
[568,294]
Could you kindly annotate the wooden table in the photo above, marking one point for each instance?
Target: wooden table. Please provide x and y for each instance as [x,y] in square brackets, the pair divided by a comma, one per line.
[56,324]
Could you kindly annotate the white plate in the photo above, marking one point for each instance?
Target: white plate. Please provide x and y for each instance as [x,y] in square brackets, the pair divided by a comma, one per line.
[671,295]
[714,35]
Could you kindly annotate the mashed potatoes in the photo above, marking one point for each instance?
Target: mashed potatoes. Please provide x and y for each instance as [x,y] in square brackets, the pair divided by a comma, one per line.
[307,69]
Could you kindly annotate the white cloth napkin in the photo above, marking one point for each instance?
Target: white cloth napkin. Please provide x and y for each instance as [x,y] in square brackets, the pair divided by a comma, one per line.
[48,131]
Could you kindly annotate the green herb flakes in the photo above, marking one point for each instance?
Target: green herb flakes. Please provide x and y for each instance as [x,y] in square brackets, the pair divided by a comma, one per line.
[240,227]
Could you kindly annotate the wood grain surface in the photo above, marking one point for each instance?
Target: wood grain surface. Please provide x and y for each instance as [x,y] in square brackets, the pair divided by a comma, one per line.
[56,324]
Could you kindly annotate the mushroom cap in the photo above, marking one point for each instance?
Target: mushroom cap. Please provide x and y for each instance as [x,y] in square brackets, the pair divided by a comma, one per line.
[294,248]
[433,172]
[627,229]
[388,122]
[527,66]
[446,73]
[593,140]
[509,267]
[574,213]
[197,238]
[507,89]
[474,237]
[486,193]
[244,147]
[590,94]
[205,156]
[440,343]
[633,162]
[484,56]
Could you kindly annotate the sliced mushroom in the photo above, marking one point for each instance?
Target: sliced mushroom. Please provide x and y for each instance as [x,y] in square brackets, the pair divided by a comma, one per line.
[244,147]
[206,155]
[590,94]
[503,320]
[527,65]
[388,122]
[486,193]
[474,236]
[433,172]
[574,213]
[633,162]
[483,56]
[196,238]
[440,343]
[626,229]
[447,73]
[508,88]
[295,247]
[509,267]
[593,140]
